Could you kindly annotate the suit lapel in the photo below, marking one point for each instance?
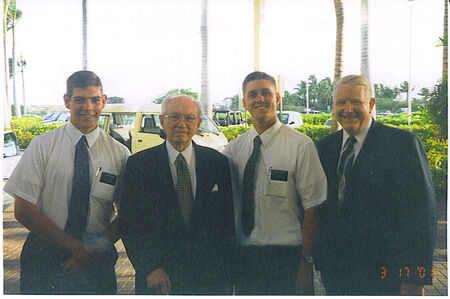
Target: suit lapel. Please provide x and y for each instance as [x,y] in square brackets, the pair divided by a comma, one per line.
[364,153]
[167,181]
[200,173]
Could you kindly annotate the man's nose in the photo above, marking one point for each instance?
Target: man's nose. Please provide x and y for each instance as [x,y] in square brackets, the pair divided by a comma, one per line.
[348,106]
[88,104]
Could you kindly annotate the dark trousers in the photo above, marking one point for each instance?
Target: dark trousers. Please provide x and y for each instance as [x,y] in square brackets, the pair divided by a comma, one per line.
[267,270]
[41,272]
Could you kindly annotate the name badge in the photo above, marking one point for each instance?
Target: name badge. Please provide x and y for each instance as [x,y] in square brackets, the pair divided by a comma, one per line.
[108,178]
[279,175]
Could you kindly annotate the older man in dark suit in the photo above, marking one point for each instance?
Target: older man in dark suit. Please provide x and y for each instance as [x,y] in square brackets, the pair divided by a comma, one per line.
[176,216]
[378,226]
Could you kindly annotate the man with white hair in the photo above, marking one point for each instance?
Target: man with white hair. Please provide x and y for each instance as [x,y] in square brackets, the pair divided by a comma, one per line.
[378,225]
[176,216]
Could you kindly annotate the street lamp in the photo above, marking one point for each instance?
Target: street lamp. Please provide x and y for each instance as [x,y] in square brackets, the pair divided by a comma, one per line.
[22,64]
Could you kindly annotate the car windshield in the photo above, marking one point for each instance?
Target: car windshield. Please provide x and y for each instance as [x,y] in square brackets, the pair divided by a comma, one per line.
[284,118]
[207,126]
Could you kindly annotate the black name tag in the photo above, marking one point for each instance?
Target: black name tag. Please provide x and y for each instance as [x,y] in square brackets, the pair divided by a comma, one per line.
[279,175]
[108,178]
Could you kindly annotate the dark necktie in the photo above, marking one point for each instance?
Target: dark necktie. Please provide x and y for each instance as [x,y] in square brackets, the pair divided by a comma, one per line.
[79,199]
[345,165]
[184,188]
[248,189]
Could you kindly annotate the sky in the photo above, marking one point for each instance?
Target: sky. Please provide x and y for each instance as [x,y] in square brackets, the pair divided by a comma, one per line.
[143,48]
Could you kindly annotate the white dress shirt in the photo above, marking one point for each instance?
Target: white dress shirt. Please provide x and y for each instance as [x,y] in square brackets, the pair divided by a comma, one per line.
[44,174]
[189,156]
[359,139]
[294,155]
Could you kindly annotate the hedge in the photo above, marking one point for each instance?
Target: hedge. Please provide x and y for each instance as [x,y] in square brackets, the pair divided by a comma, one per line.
[26,128]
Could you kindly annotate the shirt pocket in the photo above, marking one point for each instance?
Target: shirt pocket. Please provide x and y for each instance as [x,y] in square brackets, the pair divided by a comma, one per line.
[104,185]
[277,183]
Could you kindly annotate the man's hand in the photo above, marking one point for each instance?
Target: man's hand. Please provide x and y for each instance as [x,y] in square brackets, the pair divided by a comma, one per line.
[71,266]
[81,252]
[159,281]
[409,289]
[304,279]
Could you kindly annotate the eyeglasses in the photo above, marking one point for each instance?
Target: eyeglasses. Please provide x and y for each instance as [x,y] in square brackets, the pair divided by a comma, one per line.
[175,118]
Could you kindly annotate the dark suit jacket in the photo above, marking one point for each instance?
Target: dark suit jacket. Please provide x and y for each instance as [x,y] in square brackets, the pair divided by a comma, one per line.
[388,219]
[197,257]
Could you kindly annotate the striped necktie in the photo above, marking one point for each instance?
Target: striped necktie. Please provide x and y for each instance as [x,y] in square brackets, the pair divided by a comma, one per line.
[184,188]
[345,165]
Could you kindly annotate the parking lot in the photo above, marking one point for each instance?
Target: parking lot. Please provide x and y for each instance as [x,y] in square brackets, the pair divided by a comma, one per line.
[14,235]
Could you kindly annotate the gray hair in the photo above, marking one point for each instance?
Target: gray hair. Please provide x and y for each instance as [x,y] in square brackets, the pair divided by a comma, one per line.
[359,80]
[170,97]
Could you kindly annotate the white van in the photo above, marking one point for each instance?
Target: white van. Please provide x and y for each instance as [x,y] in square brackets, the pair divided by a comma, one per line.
[138,127]
[291,119]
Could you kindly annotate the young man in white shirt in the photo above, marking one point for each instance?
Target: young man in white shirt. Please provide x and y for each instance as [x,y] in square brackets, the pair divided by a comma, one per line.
[70,247]
[286,178]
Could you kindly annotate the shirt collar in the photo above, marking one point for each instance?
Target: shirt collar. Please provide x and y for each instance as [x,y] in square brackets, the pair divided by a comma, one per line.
[75,134]
[361,136]
[173,153]
[268,134]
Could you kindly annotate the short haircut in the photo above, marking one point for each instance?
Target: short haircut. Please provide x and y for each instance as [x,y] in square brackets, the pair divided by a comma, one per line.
[359,80]
[170,97]
[258,76]
[82,79]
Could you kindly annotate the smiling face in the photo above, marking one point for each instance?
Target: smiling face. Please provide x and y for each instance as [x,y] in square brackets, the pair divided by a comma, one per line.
[261,99]
[353,107]
[180,122]
[85,105]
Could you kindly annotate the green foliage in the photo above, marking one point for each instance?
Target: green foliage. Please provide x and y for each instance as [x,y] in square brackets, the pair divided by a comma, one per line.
[233,132]
[186,91]
[437,107]
[26,128]
[315,119]
[315,132]
[402,119]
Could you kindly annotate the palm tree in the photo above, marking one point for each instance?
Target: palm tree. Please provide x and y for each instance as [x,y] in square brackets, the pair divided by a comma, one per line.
[7,107]
[84,35]
[10,17]
[445,42]
[339,9]
[365,38]
[204,91]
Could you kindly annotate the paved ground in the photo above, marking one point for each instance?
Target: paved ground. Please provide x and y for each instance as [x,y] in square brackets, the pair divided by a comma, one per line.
[14,235]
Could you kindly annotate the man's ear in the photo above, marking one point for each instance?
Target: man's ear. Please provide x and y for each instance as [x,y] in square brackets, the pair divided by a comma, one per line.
[372,102]
[66,101]
[278,98]
[104,98]
[244,103]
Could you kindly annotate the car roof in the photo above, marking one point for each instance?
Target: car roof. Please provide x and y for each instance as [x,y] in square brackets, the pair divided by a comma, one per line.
[124,108]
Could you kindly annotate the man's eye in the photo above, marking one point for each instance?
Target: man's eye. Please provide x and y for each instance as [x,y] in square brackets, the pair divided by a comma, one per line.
[265,92]
[175,117]
[252,94]
[189,118]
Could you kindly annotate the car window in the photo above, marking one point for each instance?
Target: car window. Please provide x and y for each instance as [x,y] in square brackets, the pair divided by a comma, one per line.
[9,145]
[122,120]
[207,126]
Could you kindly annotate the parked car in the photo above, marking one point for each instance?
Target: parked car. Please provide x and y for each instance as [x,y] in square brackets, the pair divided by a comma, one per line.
[291,119]
[226,117]
[138,127]
[62,117]
[11,156]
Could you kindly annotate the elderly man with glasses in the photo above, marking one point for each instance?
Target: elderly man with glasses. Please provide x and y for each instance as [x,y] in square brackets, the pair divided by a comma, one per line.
[176,216]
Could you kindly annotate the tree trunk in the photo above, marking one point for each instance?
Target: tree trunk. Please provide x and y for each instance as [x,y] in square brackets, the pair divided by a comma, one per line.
[339,9]
[445,42]
[13,70]
[365,39]
[204,92]
[7,106]
[84,35]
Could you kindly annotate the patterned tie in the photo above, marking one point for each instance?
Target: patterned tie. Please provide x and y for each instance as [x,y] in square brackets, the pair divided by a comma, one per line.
[184,188]
[79,199]
[248,189]
[345,165]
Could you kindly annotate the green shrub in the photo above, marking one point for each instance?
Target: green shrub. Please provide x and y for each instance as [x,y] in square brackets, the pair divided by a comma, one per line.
[233,132]
[402,119]
[315,119]
[26,128]
[315,132]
